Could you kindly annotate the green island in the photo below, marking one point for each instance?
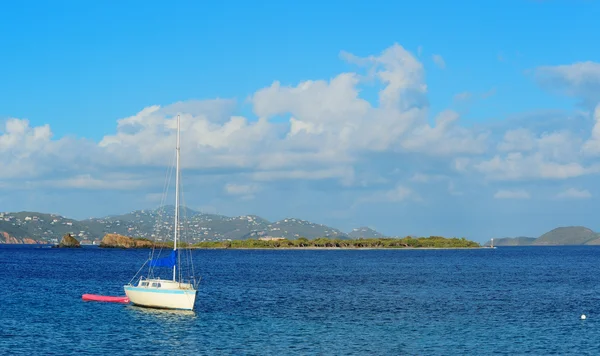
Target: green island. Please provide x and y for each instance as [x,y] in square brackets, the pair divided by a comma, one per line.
[112,241]
[323,242]
[120,241]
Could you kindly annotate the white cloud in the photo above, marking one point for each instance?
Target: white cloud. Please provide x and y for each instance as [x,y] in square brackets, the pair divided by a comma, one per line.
[330,128]
[558,145]
[517,140]
[87,181]
[245,191]
[439,61]
[573,193]
[517,166]
[331,116]
[445,138]
[28,152]
[345,174]
[511,194]
[148,137]
[461,164]
[554,155]
[581,80]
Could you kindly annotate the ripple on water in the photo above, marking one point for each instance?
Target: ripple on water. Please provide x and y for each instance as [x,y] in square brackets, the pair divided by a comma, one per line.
[507,301]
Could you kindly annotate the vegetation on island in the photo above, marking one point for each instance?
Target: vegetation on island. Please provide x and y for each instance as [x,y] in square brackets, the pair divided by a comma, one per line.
[407,242]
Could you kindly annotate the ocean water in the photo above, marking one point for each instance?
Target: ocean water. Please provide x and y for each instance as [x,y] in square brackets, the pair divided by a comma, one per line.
[513,300]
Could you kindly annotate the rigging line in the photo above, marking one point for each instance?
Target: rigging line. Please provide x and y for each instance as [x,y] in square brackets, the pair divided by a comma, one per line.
[178,221]
[187,231]
[179,254]
[139,270]
[161,211]
[189,253]
[185,228]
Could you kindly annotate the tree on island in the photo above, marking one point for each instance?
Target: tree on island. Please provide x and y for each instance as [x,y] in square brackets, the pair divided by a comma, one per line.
[324,242]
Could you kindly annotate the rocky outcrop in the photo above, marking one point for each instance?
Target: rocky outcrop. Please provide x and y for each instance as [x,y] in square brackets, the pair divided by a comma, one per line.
[69,242]
[120,241]
[28,240]
[7,239]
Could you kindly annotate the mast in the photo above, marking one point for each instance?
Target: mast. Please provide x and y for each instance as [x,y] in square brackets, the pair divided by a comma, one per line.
[177,149]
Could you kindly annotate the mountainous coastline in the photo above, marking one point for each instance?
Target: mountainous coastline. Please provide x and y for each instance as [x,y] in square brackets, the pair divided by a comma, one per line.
[34,227]
[566,235]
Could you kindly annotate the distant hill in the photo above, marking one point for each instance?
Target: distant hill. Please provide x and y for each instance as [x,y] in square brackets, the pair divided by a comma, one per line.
[10,233]
[365,233]
[512,241]
[156,225]
[570,235]
[38,226]
[566,235]
[292,228]
[593,242]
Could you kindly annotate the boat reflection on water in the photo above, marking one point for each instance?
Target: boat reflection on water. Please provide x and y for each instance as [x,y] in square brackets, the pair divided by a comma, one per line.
[165,314]
[177,322]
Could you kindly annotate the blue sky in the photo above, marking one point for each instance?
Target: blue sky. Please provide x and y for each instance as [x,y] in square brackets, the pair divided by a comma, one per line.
[515,82]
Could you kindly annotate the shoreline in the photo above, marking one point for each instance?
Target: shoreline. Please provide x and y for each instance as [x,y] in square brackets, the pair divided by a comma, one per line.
[337,248]
[47,245]
[264,248]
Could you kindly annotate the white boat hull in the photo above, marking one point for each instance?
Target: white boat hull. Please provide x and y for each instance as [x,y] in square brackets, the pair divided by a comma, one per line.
[162,298]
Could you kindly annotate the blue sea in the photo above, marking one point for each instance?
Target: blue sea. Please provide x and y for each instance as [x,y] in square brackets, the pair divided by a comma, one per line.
[509,300]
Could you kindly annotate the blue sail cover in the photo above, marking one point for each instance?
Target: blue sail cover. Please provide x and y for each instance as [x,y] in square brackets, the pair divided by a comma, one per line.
[168,261]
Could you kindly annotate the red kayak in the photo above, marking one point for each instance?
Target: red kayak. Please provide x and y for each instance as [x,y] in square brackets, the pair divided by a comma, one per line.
[104,298]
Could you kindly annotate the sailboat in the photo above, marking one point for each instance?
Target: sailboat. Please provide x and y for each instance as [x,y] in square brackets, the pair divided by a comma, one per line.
[154,292]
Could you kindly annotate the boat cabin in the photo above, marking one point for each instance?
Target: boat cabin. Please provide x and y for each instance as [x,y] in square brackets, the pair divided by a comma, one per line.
[148,284]
[163,284]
